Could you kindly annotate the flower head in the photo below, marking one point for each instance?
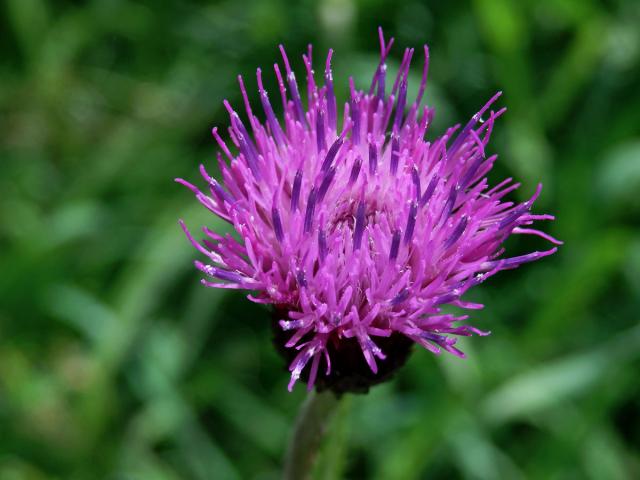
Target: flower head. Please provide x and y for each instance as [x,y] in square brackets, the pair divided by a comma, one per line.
[353,226]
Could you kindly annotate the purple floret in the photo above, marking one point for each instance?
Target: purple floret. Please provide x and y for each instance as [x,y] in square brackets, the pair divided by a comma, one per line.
[347,252]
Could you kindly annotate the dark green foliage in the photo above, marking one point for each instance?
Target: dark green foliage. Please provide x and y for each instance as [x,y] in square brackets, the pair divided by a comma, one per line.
[116,363]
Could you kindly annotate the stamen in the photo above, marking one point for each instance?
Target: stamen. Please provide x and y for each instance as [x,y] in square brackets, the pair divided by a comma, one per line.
[301,277]
[381,91]
[221,143]
[247,104]
[425,71]
[277,224]
[380,74]
[459,230]
[403,70]
[322,245]
[312,90]
[515,261]
[532,231]
[293,86]
[446,298]
[468,176]
[395,245]
[451,200]
[518,211]
[400,297]
[416,181]
[295,191]
[441,340]
[355,113]
[193,241]
[195,190]
[221,193]
[373,158]
[274,125]
[395,154]
[326,183]
[320,137]
[331,154]
[331,98]
[359,228]
[281,87]
[400,104]
[246,146]
[411,223]
[462,136]
[311,206]
[430,189]
[512,217]
[220,273]
[355,171]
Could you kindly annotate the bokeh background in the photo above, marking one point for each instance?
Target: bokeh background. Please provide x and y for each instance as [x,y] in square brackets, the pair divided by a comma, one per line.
[116,363]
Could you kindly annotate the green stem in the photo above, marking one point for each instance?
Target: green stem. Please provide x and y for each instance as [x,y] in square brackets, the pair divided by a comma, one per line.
[311,425]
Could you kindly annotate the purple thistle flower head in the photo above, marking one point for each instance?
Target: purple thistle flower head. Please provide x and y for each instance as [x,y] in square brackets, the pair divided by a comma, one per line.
[356,229]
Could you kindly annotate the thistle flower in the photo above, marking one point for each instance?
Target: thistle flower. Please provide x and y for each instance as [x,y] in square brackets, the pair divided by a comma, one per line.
[358,230]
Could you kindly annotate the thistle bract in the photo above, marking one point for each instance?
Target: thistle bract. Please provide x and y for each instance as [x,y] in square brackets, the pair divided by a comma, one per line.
[352,225]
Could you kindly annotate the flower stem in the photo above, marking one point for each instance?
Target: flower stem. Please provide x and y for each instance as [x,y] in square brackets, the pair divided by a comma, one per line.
[310,427]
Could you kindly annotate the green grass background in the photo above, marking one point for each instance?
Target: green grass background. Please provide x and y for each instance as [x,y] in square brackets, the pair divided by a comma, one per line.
[116,363]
